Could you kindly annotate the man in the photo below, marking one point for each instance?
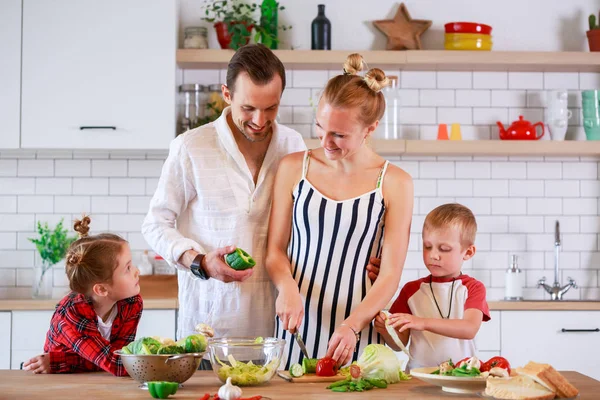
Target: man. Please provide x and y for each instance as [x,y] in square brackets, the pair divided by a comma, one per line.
[214,194]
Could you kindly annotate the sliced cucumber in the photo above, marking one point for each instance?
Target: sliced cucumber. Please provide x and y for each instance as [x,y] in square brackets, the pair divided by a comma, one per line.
[296,370]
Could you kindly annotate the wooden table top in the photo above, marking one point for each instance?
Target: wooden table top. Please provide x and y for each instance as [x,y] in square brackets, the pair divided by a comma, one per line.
[15,384]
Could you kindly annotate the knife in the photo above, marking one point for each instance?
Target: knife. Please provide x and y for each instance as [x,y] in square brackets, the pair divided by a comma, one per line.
[301,344]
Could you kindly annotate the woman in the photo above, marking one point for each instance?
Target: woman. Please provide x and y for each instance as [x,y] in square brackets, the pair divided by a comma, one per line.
[330,209]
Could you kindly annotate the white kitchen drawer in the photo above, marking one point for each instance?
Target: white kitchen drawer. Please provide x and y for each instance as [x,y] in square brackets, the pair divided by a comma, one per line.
[98,65]
[157,323]
[488,337]
[5,324]
[10,73]
[29,330]
[539,336]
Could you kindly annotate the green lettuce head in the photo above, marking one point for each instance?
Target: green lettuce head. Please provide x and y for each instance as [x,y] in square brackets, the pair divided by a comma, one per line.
[145,345]
[171,350]
[380,362]
[195,343]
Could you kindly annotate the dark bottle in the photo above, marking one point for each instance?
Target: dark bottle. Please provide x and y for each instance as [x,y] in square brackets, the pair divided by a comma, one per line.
[268,19]
[321,31]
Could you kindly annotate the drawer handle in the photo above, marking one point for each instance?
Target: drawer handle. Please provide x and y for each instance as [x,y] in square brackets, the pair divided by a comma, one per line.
[114,128]
[580,330]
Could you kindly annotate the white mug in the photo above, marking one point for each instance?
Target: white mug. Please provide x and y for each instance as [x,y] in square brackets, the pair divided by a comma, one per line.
[558,129]
[559,112]
[557,97]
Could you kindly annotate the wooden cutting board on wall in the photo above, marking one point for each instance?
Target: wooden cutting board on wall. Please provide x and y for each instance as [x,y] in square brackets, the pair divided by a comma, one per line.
[309,378]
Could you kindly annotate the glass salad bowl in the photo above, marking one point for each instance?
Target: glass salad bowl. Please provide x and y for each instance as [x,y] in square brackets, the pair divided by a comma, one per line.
[247,361]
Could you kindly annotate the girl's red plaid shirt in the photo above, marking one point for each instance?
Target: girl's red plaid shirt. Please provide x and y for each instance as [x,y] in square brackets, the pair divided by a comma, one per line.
[74,343]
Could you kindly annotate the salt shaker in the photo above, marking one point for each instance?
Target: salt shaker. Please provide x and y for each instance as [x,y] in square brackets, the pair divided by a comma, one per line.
[513,281]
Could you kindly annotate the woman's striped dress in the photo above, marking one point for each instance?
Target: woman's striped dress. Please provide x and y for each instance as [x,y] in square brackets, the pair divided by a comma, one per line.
[330,247]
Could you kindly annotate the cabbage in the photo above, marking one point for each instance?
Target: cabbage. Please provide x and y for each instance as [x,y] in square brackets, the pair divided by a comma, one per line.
[193,343]
[145,345]
[380,362]
[171,350]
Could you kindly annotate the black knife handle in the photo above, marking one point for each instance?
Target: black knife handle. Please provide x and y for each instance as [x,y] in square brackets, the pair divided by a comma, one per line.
[580,330]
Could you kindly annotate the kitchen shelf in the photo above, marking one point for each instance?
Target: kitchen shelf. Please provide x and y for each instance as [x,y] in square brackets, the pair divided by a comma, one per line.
[411,60]
[480,147]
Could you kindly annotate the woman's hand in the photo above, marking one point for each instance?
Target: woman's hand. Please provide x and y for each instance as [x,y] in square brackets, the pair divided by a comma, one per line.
[342,345]
[290,308]
[38,364]
[402,322]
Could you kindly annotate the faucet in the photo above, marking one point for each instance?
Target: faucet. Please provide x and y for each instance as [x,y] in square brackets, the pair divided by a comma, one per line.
[556,291]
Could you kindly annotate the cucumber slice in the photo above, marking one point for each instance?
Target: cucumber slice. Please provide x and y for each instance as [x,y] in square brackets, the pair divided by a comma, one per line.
[296,370]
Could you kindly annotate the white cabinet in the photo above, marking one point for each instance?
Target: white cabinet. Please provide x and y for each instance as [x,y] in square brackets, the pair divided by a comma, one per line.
[5,323]
[157,323]
[568,340]
[488,337]
[29,330]
[10,73]
[98,74]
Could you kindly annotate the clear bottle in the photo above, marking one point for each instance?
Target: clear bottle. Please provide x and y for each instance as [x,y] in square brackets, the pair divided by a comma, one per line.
[391,120]
[513,282]
[145,266]
[191,97]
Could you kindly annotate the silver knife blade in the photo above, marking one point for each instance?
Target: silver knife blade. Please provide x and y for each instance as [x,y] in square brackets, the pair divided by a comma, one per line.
[301,344]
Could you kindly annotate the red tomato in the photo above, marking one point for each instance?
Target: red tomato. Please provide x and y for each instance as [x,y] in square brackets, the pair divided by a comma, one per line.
[499,362]
[326,366]
[355,371]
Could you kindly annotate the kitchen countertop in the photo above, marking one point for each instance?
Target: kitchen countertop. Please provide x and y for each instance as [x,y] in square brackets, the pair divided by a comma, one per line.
[101,385]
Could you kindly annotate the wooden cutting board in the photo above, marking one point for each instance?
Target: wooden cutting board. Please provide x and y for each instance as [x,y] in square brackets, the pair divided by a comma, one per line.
[309,378]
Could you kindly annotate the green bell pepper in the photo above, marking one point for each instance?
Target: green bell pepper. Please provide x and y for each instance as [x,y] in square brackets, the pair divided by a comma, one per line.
[240,260]
[162,390]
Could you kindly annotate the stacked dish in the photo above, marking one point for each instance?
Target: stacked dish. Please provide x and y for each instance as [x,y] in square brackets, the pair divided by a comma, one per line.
[468,36]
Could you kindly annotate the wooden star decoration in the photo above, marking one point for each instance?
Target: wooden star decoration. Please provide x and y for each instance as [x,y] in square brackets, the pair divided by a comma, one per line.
[403,32]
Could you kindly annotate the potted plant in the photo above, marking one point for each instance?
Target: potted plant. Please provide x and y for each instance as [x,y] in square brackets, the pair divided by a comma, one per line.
[593,34]
[234,21]
[52,246]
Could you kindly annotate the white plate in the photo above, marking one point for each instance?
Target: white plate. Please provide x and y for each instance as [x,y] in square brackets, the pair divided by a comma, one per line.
[451,384]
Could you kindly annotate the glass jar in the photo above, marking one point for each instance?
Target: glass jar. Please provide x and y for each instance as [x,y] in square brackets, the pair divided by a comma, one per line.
[190,104]
[391,120]
[195,37]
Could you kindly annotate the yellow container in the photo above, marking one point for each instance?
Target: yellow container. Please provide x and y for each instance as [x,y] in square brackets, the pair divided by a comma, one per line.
[467,41]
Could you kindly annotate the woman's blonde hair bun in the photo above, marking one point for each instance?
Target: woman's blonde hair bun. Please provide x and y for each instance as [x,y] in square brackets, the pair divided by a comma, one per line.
[374,78]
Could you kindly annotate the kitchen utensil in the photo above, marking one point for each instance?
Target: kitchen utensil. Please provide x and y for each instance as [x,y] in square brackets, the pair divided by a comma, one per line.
[161,367]
[467,27]
[451,384]
[467,41]
[263,353]
[301,344]
[520,130]
[309,378]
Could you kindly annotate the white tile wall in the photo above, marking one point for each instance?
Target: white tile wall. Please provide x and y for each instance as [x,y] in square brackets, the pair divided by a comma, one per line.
[516,199]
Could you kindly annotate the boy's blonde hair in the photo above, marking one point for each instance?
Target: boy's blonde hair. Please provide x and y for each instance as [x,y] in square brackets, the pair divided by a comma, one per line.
[453,215]
[91,259]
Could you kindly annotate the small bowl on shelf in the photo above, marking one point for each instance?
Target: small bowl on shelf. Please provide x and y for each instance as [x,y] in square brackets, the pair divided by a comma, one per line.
[468,27]
[247,361]
[467,41]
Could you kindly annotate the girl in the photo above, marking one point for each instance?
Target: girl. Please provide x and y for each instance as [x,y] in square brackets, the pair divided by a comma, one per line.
[100,314]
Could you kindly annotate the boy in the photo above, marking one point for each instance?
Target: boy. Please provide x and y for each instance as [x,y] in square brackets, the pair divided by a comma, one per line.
[442,312]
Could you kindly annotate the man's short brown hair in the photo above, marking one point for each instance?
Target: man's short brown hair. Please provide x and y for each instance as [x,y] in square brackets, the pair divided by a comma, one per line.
[259,62]
[453,215]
